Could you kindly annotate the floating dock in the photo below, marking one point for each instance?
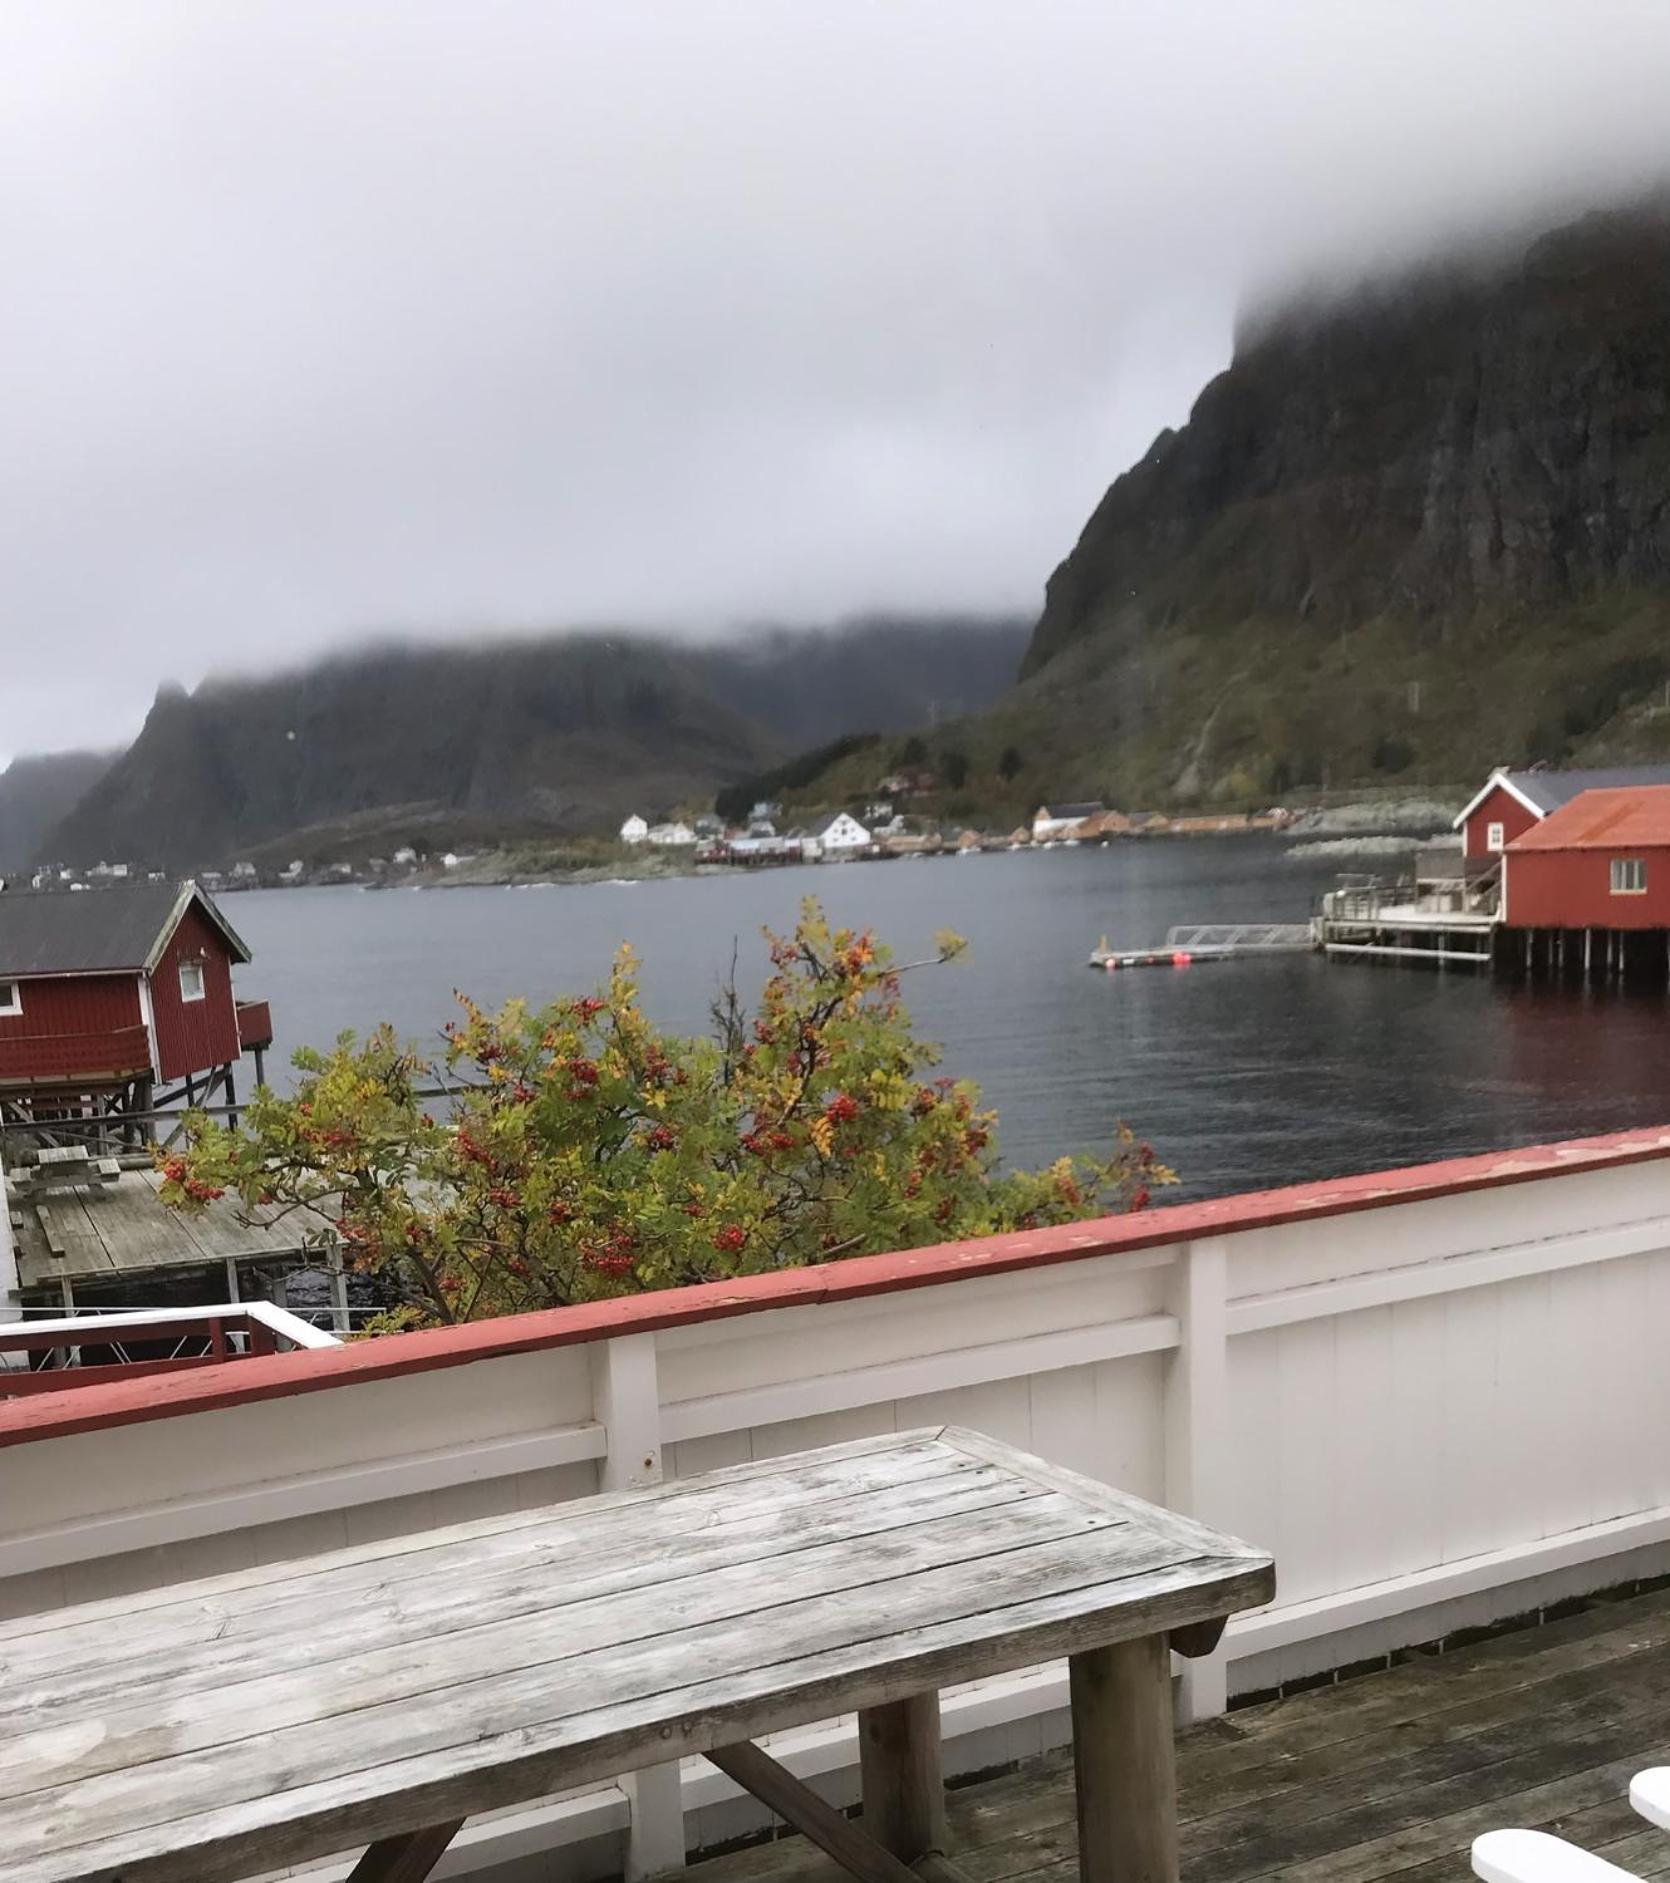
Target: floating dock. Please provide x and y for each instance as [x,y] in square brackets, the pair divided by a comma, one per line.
[1208,941]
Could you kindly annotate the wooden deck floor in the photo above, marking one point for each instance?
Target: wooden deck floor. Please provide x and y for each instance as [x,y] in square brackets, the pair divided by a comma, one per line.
[110,1232]
[1390,1774]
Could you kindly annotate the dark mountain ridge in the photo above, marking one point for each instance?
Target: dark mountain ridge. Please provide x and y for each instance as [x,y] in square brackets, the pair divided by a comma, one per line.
[563,735]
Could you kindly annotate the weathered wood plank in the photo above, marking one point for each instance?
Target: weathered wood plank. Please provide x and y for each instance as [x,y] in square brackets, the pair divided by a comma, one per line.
[437,1721]
[672,1632]
[1476,1737]
[554,1570]
[1188,1534]
[763,1484]
[1019,1829]
[309,1817]
[1430,1683]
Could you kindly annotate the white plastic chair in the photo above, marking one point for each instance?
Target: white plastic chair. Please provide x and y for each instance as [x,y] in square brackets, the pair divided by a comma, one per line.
[1649,1792]
[1540,1857]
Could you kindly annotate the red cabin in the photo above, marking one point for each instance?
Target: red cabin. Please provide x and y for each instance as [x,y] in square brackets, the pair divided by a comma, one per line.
[1600,862]
[117,991]
[1513,802]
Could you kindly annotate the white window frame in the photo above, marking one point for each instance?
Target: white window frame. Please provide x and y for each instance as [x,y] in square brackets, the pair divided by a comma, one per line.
[1629,876]
[1495,837]
[11,999]
[195,963]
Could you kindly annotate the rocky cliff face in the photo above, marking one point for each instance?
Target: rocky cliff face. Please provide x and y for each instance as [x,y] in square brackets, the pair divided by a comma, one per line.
[1438,508]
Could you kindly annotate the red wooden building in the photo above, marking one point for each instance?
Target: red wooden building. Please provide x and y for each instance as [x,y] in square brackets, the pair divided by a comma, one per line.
[1510,803]
[108,994]
[1600,862]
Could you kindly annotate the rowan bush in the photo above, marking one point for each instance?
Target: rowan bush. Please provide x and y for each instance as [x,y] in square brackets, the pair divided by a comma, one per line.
[580,1152]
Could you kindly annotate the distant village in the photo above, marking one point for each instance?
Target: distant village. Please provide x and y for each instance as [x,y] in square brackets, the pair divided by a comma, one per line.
[765,837]
[406,861]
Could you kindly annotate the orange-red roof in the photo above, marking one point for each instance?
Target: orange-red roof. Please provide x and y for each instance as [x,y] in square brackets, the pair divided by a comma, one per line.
[1622,818]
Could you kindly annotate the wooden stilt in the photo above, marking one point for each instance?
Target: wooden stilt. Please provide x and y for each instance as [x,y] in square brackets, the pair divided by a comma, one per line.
[231,1100]
[899,1766]
[1124,1762]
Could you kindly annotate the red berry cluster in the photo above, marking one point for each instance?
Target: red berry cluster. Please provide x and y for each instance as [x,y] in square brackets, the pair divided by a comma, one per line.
[611,1255]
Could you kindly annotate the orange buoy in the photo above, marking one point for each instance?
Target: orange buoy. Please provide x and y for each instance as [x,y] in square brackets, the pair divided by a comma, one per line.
[1181,958]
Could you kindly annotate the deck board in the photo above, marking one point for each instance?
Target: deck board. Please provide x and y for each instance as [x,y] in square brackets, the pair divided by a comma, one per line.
[124,1229]
[1390,1775]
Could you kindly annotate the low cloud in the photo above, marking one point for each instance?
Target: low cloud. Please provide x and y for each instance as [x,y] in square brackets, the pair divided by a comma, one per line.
[323,320]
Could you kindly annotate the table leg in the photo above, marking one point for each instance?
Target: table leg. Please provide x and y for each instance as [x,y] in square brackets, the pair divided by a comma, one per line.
[406,1858]
[904,1791]
[1124,1762]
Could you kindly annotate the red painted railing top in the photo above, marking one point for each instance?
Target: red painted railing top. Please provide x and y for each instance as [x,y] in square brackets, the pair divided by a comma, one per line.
[120,1402]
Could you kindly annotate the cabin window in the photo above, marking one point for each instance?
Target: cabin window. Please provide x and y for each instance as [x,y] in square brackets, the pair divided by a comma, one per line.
[191,980]
[1494,836]
[1629,876]
[11,997]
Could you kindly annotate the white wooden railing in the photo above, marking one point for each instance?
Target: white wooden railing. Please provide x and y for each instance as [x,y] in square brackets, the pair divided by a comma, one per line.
[1438,1396]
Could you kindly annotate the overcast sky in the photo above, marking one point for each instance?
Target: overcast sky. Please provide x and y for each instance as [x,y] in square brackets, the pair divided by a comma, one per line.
[326,317]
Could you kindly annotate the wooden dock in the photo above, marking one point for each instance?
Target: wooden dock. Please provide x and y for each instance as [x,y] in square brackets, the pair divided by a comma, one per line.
[101,1236]
[1369,927]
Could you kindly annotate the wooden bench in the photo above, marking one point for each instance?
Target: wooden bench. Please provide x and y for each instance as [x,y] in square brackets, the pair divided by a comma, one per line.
[67,1167]
[384,1694]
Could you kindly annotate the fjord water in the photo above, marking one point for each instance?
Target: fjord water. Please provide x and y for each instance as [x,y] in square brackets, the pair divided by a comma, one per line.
[1243,1074]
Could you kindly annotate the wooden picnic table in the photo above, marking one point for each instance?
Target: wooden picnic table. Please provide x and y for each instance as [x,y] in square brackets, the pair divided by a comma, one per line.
[381,1695]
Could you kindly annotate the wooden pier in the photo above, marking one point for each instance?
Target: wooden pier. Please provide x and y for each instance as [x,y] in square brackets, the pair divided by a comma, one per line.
[104,1236]
[1440,924]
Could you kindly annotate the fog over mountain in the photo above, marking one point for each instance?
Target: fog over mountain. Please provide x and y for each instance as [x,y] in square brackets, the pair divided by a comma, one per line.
[323,322]
[484,742]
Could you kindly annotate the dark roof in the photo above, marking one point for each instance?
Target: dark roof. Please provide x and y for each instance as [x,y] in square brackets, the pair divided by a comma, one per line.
[1548,790]
[97,931]
[1615,819]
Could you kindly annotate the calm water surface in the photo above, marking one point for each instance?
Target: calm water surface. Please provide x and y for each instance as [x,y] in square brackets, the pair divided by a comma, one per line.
[1243,1073]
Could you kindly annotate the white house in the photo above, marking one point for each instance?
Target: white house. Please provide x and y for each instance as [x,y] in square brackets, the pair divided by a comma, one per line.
[405,857]
[1055,820]
[837,837]
[674,836]
[634,830]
